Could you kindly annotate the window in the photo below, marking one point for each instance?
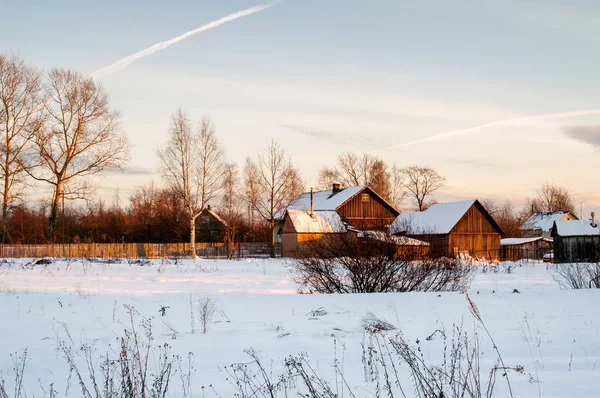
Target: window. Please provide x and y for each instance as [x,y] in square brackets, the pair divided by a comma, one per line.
[204,220]
[365,197]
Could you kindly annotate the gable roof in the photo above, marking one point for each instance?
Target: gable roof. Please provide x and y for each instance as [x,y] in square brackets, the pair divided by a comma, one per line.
[439,218]
[215,215]
[576,228]
[327,200]
[543,221]
[324,221]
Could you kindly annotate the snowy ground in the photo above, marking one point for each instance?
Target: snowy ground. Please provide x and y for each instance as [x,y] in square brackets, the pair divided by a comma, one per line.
[554,334]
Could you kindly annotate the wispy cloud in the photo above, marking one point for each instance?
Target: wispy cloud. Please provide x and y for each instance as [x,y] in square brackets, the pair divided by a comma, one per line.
[133,171]
[587,134]
[504,122]
[340,137]
[123,63]
[470,162]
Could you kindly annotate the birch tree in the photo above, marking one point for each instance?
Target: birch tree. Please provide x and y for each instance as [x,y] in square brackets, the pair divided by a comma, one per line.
[191,163]
[21,103]
[80,138]
[272,182]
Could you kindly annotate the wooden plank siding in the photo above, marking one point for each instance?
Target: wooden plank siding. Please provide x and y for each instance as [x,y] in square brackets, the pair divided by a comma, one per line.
[475,234]
[372,214]
[576,249]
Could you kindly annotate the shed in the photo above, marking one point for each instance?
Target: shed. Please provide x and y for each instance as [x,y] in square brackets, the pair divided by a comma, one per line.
[454,229]
[210,227]
[576,241]
[540,223]
[300,226]
[535,248]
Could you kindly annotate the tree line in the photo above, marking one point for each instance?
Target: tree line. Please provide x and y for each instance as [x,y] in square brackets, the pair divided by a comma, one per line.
[59,129]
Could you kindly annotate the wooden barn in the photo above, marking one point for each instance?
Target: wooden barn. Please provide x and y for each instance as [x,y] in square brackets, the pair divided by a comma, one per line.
[314,214]
[515,249]
[576,241]
[456,229]
[540,223]
[210,227]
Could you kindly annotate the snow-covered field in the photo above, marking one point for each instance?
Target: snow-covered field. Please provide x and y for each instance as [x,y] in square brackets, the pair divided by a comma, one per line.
[554,334]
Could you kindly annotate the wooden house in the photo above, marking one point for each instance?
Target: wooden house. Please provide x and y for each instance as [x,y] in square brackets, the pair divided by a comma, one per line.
[515,249]
[457,229]
[315,214]
[576,241]
[540,223]
[210,227]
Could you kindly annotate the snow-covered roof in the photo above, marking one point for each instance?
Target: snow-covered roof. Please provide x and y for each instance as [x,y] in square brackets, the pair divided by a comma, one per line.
[542,221]
[520,241]
[439,218]
[386,237]
[323,200]
[324,221]
[577,228]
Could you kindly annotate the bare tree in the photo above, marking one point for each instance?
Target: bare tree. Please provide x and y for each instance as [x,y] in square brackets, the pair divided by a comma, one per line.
[421,182]
[191,164]
[81,137]
[21,103]
[396,184]
[272,182]
[212,162]
[551,198]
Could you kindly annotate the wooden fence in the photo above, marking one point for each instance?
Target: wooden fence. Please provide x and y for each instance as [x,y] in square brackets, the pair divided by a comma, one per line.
[137,250]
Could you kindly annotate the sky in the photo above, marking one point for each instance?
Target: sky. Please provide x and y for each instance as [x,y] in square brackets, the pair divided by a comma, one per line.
[324,77]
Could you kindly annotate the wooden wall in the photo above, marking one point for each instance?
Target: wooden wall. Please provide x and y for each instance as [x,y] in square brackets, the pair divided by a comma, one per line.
[474,234]
[576,249]
[373,214]
[526,251]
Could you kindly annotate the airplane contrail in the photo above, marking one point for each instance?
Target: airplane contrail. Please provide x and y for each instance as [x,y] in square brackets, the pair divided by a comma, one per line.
[123,63]
[525,119]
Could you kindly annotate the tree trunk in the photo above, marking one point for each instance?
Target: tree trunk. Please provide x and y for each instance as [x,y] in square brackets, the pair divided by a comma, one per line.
[272,253]
[193,236]
[54,212]
[5,213]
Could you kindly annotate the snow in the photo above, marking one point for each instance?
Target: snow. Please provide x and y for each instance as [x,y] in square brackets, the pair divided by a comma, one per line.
[322,222]
[543,221]
[386,237]
[577,228]
[520,241]
[439,218]
[323,200]
[552,333]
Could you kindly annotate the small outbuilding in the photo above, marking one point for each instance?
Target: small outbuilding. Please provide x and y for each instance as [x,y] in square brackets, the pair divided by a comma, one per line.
[535,248]
[210,227]
[456,229]
[300,226]
[576,241]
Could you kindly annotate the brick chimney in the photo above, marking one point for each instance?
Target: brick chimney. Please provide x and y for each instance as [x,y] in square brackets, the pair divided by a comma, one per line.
[208,207]
[593,220]
[335,189]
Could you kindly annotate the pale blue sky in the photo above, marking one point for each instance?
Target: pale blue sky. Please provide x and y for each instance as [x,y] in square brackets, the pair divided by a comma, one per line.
[330,76]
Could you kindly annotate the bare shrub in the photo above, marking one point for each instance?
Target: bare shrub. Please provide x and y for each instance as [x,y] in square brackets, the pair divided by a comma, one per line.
[125,372]
[345,263]
[19,362]
[577,275]
[206,309]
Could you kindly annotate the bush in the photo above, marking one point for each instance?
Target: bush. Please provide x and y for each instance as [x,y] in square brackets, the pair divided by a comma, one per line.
[577,275]
[347,264]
